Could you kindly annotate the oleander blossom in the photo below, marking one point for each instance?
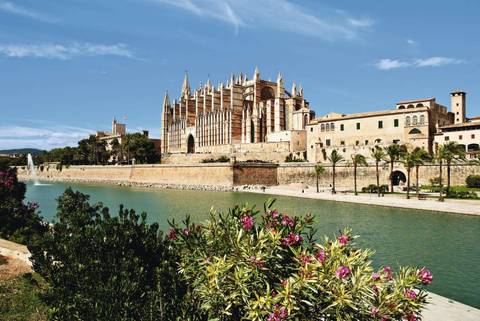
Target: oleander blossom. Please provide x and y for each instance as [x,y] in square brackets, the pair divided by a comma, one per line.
[388,272]
[410,317]
[186,231]
[343,240]
[172,234]
[410,294]
[258,262]
[305,259]
[374,311]
[342,272]
[287,221]
[425,275]
[292,239]
[320,256]
[247,222]
[278,314]
[274,214]
[375,276]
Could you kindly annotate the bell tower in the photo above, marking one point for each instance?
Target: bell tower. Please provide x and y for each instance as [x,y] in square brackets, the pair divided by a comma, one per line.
[458,101]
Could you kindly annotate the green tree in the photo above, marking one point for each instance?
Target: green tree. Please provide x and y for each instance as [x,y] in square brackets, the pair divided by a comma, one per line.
[408,159]
[420,156]
[139,147]
[100,267]
[357,160]
[319,169]
[452,153]
[378,155]
[334,158]
[116,150]
[392,154]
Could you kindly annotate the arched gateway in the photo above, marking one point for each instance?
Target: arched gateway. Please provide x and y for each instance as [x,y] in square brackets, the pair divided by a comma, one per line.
[190,144]
[397,177]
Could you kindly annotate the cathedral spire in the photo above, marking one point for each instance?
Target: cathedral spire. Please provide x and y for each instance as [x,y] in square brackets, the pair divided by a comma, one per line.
[300,90]
[186,85]
[166,101]
[279,77]
[256,74]
[294,89]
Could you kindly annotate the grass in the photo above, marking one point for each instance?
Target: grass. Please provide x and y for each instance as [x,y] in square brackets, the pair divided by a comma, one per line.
[20,298]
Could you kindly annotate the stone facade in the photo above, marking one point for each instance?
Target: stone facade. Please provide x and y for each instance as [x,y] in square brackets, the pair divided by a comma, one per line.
[240,113]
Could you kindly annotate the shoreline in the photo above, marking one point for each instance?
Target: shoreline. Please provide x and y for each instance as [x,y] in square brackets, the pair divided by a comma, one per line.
[451,206]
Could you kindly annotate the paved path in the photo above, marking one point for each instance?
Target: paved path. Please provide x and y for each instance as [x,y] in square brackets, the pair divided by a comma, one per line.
[443,309]
[468,207]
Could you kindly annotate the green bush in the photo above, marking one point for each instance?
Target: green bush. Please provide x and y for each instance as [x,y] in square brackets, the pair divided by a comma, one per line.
[294,159]
[19,222]
[237,269]
[372,188]
[100,267]
[221,159]
[473,181]
[462,194]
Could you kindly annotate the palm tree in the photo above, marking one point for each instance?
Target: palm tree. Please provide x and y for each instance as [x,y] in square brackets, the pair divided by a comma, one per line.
[420,155]
[392,154]
[439,157]
[378,155]
[452,153]
[357,160]
[334,158]
[408,160]
[319,169]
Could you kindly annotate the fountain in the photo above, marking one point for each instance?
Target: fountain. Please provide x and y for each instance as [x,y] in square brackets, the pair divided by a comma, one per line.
[31,170]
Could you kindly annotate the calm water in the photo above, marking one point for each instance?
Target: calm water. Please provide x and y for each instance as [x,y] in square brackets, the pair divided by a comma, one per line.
[447,244]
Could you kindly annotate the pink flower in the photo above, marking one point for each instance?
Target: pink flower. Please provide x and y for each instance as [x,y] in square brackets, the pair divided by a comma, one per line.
[320,256]
[384,318]
[410,294]
[259,263]
[342,272]
[186,231]
[273,293]
[287,221]
[410,317]
[278,314]
[292,239]
[247,222]
[172,234]
[425,275]
[388,271]
[274,213]
[305,259]
[375,287]
[375,276]
[374,311]
[343,240]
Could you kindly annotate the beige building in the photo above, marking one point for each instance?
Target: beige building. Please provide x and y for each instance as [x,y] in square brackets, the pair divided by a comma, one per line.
[235,116]
[465,131]
[413,123]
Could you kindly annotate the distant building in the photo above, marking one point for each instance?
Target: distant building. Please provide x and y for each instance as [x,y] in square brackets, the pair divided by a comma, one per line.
[413,123]
[241,112]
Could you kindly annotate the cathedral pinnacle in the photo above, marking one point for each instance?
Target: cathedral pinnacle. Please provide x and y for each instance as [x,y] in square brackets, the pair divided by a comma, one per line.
[186,85]
[256,74]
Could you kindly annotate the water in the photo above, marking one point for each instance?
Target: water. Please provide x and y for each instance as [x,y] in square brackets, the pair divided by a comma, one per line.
[448,244]
[31,169]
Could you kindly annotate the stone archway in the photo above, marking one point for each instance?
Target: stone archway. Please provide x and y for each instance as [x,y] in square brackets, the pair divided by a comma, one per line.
[397,177]
[190,144]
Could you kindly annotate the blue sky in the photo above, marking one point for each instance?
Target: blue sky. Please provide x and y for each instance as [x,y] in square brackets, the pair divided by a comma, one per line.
[68,66]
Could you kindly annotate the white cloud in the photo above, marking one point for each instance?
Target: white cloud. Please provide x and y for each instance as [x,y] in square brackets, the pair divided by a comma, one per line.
[43,138]
[411,42]
[387,64]
[63,52]
[281,15]
[12,8]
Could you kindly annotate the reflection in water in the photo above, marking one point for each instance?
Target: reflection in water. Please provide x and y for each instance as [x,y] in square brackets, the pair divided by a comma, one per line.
[447,244]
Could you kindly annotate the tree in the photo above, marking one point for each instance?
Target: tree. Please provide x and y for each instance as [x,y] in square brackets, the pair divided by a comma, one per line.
[452,152]
[319,169]
[439,157]
[138,146]
[103,267]
[378,155]
[408,160]
[335,158]
[357,160]
[392,154]
[420,156]
[116,151]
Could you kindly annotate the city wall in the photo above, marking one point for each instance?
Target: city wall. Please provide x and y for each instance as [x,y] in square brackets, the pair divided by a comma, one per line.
[228,175]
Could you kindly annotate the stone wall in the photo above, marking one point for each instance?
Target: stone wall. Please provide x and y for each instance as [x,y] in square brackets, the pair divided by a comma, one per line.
[255,174]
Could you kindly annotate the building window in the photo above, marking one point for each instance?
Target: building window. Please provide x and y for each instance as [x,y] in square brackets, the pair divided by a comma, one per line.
[327,127]
[395,122]
[342,143]
[327,142]
[422,119]
[322,127]
[414,120]
[460,137]
[396,141]
[357,142]
[447,138]
[341,127]
[311,146]
[332,127]
[380,124]
[407,121]
[311,129]
[473,136]
[366,142]
[358,126]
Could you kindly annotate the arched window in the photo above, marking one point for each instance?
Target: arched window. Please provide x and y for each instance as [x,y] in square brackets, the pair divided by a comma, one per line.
[422,119]
[410,106]
[415,131]
[378,141]
[322,127]
[419,105]
[407,121]
[401,107]
[414,120]
[327,127]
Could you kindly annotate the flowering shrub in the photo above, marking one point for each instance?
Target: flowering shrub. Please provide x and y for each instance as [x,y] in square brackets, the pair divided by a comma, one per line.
[243,265]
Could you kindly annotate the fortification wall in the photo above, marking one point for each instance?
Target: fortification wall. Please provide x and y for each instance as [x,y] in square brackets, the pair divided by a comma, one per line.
[255,174]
